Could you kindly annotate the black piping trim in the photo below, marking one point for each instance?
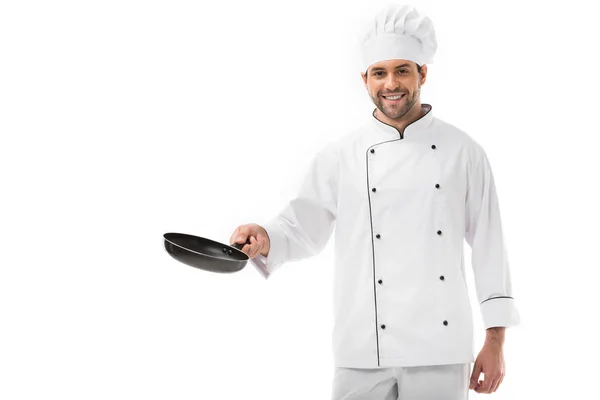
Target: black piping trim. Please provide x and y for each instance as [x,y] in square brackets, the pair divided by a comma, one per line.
[498,297]
[401,136]
[373,243]
[400,133]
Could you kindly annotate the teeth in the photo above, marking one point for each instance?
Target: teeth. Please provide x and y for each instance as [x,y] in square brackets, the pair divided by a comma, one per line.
[393,97]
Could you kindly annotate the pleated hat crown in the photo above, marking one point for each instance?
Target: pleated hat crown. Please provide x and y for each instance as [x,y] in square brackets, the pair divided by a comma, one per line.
[397,32]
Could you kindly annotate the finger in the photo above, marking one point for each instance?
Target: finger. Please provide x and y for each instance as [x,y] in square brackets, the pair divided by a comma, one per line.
[253,247]
[250,248]
[261,242]
[494,383]
[475,375]
[487,383]
[498,383]
[478,387]
[242,234]
[235,236]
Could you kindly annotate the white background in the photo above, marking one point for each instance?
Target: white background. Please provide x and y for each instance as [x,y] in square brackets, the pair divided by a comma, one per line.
[123,120]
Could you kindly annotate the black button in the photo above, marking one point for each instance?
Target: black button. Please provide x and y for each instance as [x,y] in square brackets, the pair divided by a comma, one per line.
[439,232]
[224,249]
[372,150]
[433,146]
[437,185]
[379,281]
[230,251]
[382,326]
[374,189]
[445,322]
[442,277]
[378,236]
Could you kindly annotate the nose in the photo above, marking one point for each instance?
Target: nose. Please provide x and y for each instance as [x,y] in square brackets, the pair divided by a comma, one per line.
[391,84]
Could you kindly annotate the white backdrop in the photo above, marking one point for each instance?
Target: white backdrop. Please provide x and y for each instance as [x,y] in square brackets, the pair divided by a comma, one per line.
[123,120]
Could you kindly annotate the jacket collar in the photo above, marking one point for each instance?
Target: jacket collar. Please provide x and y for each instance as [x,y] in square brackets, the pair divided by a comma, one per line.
[411,129]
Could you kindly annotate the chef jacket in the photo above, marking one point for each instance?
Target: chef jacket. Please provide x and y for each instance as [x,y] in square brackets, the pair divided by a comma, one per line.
[401,203]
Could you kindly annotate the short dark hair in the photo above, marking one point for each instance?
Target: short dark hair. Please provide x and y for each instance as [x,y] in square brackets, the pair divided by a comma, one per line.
[418,70]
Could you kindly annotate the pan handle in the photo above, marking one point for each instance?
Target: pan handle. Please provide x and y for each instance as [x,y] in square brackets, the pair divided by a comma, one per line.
[240,245]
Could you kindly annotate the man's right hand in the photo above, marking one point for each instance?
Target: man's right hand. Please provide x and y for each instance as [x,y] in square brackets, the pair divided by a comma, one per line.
[259,239]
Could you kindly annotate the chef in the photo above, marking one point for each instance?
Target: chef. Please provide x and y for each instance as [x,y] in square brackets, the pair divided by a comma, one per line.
[403,189]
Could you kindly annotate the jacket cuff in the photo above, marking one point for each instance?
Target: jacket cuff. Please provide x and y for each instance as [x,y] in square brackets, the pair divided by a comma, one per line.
[278,245]
[499,311]
[260,262]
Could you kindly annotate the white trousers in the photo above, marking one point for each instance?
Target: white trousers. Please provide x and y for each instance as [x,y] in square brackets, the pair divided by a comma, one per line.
[435,382]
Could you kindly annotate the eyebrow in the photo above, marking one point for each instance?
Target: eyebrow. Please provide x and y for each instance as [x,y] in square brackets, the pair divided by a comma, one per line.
[383,69]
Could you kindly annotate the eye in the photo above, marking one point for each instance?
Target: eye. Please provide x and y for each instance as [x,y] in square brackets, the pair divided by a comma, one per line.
[377,73]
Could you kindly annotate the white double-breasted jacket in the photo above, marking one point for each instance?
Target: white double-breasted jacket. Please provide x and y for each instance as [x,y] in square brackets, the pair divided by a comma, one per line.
[401,204]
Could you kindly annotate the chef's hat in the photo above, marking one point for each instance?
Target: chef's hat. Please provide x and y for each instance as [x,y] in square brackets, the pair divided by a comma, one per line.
[397,32]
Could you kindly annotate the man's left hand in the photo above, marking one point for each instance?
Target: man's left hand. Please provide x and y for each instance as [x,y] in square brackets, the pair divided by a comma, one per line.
[490,361]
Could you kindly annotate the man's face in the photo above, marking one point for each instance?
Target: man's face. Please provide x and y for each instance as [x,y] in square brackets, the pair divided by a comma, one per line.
[387,78]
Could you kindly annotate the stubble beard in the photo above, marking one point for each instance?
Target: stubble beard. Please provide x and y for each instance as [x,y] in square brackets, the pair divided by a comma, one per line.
[398,112]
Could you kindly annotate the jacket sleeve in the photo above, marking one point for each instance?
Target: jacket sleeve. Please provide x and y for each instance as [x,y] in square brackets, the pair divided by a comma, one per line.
[304,226]
[483,232]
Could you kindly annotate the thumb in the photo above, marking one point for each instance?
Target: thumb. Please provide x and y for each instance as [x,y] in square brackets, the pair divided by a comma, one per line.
[475,375]
[241,236]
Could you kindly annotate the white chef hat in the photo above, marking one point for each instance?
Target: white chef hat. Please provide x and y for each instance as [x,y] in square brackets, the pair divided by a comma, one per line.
[397,32]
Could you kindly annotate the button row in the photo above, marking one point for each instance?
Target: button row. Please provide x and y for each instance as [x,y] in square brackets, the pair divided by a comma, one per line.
[378,236]
[445,323]
[441,279]
[437,185]
[432,146]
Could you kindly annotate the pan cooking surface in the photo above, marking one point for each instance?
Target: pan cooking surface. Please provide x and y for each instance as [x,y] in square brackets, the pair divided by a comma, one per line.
[208,247]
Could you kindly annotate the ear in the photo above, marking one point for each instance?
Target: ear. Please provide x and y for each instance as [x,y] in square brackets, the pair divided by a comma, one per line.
[423,73]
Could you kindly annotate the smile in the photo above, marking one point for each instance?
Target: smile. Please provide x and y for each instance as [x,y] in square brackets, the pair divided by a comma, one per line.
[396,99]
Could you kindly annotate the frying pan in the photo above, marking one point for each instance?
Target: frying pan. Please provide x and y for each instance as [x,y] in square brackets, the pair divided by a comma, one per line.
[204,253]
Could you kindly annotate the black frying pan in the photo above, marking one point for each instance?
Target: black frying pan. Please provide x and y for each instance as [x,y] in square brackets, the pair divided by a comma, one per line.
[204,253]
